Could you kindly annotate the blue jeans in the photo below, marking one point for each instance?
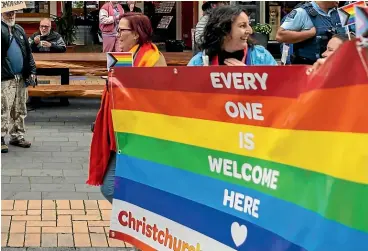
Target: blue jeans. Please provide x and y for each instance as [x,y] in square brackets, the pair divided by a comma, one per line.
[107,188]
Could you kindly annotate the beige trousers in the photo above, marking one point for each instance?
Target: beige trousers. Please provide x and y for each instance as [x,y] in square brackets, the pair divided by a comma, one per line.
[14,96]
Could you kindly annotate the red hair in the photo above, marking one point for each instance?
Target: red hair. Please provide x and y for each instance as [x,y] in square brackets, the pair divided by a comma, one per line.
[141,25]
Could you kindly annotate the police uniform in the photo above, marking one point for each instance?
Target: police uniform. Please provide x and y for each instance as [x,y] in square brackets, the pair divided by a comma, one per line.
[305,17]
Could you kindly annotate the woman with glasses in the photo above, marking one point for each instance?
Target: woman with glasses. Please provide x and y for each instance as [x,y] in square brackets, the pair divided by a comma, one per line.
[134,35]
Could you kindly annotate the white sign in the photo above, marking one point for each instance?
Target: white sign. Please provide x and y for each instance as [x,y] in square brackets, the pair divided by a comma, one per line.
[7,6]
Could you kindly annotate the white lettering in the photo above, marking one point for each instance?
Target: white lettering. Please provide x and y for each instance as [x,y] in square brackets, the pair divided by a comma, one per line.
[257,111]
[226,79]
[215,164]
[241,203]
[258,175]
[239,81]
[249,81]
[215,80]
[228,198]
[236,174]
[227,167]
[247,110]
[231,109]
[262,80]
[246,141]
[253,111]
[273,184]
[239,198]
[246,167]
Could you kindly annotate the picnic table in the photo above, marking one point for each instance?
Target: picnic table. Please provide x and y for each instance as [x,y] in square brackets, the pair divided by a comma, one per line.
[94,64]
[82,64]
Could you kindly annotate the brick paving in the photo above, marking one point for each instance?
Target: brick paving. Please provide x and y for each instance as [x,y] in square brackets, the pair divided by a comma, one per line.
[46,204]
[57,223]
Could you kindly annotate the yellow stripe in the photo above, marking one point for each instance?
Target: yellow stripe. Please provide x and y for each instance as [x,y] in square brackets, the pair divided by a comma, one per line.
[341,155]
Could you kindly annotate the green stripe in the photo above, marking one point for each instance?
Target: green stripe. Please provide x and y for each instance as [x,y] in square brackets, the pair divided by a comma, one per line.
[339,200]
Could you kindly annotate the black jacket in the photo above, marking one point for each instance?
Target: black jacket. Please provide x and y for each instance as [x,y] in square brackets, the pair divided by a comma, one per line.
[57,42]
[29,66]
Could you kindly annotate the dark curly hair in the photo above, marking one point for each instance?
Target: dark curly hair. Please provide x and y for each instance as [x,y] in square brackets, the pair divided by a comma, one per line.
[218,27]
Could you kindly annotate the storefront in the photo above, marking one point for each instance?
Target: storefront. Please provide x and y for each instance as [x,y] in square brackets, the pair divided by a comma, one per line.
[167,17]
[30,18]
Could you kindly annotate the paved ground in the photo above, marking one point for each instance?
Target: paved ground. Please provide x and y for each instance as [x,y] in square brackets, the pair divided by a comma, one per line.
[45,201]
[57,223]
[56,166]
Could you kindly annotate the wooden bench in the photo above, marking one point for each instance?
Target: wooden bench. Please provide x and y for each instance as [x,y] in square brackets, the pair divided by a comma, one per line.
[84,91]
[82,64]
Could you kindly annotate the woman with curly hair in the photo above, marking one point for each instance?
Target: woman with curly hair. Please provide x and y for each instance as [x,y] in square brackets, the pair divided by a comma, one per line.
[226,41]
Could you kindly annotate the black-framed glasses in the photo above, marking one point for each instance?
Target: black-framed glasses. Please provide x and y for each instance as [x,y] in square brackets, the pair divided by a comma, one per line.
[121,30]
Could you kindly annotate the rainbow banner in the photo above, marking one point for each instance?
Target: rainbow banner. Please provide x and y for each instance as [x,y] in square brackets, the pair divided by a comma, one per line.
[242,158]
[119,59]
[347,13]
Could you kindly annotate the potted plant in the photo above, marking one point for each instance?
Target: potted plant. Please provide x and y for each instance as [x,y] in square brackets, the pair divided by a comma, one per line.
[65,26]
[261,33]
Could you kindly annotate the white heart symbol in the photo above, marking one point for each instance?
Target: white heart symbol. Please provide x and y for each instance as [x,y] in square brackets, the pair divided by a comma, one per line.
[239,233]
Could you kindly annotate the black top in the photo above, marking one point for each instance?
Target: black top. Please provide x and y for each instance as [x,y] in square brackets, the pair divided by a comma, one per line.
[127,9]
[239,55]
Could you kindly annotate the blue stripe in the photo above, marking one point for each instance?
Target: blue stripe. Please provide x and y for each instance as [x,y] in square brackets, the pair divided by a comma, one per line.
[203,219]
[296,224]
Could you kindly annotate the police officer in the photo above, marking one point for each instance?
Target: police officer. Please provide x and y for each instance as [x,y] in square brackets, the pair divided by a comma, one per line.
[309,27]
[18,70]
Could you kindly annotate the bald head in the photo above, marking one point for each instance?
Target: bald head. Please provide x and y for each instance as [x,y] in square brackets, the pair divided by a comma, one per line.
[45,26]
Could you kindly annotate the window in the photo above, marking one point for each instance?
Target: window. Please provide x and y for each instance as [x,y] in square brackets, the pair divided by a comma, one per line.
[35,9]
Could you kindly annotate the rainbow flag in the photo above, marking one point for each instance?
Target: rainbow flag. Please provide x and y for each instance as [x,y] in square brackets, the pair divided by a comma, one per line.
[361,21]
[347,13]
[119,59]
[234,158]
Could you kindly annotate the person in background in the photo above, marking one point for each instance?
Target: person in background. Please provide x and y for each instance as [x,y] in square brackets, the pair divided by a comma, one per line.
[18,70]
[227,41]
[130,7]
[46,40]
[207,7]
[109,16]
[335,42]
[135,35]
[308,28]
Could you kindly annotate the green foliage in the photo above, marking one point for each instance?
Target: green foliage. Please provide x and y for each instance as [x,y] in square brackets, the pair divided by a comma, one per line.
[65,26]
[262,28]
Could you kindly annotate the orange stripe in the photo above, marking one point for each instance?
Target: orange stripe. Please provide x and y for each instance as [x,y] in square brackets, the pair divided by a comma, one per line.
[133,241]
[339,109]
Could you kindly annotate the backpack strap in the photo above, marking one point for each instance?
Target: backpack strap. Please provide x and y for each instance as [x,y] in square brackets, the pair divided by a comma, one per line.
[308,7]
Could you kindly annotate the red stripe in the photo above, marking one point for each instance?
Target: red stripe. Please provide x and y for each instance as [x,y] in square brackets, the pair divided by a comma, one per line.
[131,240]
[341,109]
[286,81]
